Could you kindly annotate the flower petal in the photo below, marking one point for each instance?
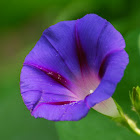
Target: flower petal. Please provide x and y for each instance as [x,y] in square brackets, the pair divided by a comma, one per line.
[67,112]
[62,38]
[46,56]
[112,71]
[33,79]
[98,38]
[39,91]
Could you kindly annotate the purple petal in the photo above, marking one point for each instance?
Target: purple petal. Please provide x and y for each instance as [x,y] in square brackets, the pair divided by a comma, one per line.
[37,81]
[113,68]
[62,38]
[98,38]
[73,111]
[46,98]
[44,55]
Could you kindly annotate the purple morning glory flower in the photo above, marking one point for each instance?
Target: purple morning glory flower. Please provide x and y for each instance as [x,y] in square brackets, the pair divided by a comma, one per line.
[74,66]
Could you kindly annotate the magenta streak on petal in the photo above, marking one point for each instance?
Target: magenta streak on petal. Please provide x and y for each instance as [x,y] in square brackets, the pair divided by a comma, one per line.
[102,67]
[80,52]
[55,76]
[60,103]
[52,103]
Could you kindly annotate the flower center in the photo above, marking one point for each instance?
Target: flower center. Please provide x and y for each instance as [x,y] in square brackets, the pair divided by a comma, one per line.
[86,85]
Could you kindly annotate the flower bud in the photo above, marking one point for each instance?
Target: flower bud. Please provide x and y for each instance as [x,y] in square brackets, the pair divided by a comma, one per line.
[135,99]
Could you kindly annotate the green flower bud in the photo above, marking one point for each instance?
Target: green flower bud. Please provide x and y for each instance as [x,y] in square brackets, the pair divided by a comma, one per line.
[135,99]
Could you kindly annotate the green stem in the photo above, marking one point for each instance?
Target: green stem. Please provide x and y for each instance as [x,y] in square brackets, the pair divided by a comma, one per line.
[131,124]
[125,121]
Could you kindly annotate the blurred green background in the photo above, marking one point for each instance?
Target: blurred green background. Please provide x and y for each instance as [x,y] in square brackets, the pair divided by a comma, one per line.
[21,25]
